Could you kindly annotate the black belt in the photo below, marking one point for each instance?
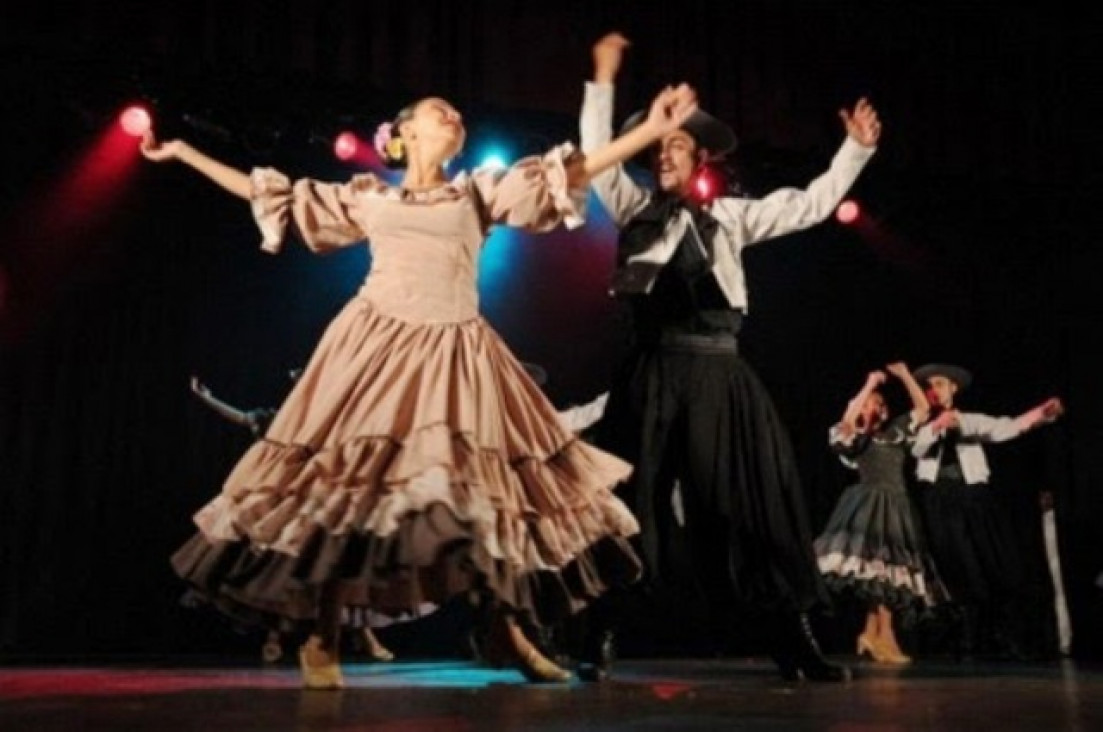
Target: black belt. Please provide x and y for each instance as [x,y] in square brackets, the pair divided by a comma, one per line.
[717,343]
[950,472]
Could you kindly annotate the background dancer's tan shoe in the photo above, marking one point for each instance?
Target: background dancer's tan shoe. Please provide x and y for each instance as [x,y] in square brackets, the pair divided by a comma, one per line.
[376,650]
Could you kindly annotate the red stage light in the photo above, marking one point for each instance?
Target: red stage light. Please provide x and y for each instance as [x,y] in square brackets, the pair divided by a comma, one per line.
[135,120]
[704,187]
[847,212]
[345,146]
[707,183]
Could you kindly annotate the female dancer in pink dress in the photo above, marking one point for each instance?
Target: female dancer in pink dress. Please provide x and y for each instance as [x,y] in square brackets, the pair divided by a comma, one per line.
[415,459]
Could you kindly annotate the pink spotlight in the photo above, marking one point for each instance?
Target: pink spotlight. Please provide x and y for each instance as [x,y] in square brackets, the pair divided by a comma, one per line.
[346,146]
[848,212]
[135,120]
[704,187]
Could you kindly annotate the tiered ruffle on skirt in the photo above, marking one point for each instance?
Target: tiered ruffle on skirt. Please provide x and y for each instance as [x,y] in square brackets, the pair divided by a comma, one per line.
[415,462]
[872,549]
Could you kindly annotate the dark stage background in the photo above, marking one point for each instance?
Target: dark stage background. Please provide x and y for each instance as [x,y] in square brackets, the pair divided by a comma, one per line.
[120,279]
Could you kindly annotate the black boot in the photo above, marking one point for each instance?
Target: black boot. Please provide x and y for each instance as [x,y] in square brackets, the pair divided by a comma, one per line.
[798,655]
[596,658]
[598,650]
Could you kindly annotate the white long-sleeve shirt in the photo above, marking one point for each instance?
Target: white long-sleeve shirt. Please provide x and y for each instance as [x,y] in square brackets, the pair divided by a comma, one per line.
[973,431]
[742,221]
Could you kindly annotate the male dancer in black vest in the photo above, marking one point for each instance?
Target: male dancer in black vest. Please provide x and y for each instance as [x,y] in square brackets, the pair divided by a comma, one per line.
[972,540]
[686,409]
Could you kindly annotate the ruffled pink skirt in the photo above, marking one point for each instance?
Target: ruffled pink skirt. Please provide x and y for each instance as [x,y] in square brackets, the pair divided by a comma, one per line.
[413,462]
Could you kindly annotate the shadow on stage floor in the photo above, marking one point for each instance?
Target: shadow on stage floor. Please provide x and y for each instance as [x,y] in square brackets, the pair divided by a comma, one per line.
[452,696]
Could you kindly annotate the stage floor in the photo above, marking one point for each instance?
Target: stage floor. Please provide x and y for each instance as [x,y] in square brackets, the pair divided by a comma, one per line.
[457,696]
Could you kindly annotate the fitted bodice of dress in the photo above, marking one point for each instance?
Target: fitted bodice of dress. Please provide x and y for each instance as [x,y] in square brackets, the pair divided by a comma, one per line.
[425,244]
[425,260]
[881,464]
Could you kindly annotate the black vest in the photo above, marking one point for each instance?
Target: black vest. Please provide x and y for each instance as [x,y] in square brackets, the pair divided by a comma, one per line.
[685,297]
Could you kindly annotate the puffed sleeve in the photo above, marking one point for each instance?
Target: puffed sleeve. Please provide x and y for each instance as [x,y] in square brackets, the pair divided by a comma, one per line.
[846,444]
[533,193]
[323,213]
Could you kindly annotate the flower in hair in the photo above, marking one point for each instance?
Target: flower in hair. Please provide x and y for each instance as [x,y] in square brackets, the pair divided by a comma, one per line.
[387,144]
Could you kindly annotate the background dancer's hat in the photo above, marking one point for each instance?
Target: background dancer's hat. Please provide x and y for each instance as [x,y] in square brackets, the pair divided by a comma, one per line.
[956,374]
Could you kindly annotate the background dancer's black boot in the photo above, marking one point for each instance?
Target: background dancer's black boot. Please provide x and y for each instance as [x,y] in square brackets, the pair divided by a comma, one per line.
[798,655]
[998,639]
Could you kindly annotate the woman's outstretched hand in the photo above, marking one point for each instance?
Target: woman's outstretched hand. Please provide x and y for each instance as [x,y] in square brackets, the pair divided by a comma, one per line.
[876,378]
[160,152]
[671,108]
[233,180]
[899,369]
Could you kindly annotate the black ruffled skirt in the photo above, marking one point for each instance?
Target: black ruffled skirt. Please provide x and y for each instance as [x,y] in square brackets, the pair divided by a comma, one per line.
[872,549]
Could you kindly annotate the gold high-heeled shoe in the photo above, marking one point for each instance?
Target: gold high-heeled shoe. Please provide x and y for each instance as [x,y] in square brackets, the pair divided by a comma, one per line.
[880,652]
[507,645]
[538,668]
[894,655]
[376,650]
[866,646]
[271,651]
[320,668]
